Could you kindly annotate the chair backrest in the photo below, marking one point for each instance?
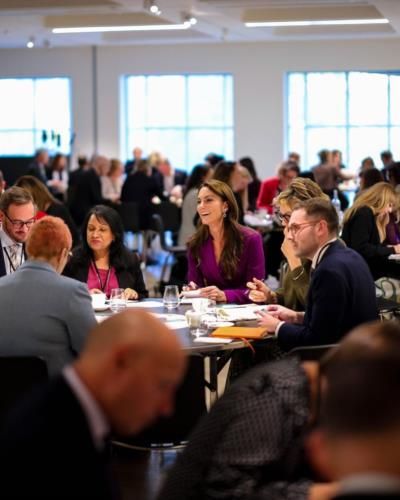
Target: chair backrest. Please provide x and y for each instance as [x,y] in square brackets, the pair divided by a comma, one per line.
[312,352]
[190,405]
[18,375]
[170,214]
[157,225]
[129,215]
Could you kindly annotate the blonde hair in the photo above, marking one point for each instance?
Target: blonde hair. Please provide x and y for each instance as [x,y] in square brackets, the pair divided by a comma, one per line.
[300,189]
[377,197]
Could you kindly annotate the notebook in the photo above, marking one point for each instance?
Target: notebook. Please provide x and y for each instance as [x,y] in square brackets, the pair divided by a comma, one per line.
[241,332]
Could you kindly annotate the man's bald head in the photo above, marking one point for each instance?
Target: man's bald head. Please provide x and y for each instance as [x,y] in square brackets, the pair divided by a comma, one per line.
[132,363]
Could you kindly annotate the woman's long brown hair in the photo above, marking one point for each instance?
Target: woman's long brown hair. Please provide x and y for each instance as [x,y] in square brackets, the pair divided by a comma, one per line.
[233,237]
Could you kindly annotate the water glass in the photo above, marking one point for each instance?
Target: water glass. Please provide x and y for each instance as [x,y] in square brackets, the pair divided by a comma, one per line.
[171,297]
[117,300]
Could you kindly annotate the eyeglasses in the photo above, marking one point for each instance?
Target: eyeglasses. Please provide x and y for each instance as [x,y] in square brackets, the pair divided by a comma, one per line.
[283,218]
[19,224]
[296,228]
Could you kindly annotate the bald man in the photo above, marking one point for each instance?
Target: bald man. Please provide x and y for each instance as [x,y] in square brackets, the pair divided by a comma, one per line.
[53,444]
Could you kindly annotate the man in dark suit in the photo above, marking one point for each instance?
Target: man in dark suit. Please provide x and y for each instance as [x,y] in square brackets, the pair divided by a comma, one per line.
[39,165]
[87,190]
[17,215]
[53,444]
[130,165]
[342,291]
[357,441]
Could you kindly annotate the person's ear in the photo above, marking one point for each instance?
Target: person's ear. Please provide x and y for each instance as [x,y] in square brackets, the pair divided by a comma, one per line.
[317,451]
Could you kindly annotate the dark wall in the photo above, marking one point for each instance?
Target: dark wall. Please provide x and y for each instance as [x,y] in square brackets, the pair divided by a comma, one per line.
[13,167]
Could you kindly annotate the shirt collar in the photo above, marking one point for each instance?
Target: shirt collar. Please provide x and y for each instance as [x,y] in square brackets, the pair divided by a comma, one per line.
[319,254]
[97,420]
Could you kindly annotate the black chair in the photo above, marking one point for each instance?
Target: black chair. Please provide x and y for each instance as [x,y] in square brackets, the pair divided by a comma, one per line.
[129,215]
[312,352]
[171,215]
[190,405]
[172,250]
[18,375]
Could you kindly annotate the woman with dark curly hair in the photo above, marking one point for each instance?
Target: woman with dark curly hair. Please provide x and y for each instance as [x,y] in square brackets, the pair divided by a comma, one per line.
[102,261]
[223,255]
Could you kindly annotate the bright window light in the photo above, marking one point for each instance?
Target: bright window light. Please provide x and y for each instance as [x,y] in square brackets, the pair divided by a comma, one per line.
[108,29]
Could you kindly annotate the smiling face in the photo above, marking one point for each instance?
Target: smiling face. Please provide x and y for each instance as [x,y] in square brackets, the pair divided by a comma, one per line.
[210,207]
[98,234]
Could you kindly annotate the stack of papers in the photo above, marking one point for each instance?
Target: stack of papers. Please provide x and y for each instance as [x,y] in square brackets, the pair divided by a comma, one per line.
[239,313]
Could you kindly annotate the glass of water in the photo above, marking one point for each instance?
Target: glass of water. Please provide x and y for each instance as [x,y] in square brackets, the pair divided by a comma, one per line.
[171,297]
[117,300]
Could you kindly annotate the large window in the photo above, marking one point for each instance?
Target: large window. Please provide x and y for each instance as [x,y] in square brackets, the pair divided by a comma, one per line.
[182,116]
[35,112]
[356,112]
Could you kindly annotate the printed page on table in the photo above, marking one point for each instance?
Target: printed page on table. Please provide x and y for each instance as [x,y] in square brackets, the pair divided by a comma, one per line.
[239,313]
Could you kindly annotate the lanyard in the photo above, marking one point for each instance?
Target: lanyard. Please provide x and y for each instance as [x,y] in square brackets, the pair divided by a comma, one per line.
[103,287]
[12,267]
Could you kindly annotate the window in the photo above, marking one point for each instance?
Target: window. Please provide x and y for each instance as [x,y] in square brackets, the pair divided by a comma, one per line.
[355,112]
[35,113]
[182,116]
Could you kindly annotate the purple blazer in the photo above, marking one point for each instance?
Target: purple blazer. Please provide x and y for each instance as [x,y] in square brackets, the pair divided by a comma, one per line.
[251,265]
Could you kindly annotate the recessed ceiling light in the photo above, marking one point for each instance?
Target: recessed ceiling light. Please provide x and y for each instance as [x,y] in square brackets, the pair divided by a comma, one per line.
[321,22]
[108,29]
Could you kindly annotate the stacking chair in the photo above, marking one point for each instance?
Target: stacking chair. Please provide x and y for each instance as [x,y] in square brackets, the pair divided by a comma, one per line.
[18,375]
[312,352]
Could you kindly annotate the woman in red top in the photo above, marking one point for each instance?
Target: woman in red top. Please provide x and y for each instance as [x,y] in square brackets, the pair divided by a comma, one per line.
[270,188]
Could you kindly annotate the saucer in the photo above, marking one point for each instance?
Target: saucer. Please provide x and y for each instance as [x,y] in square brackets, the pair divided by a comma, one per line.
[101,308]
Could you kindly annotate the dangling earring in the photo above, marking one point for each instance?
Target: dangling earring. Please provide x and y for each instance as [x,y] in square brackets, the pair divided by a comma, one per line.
[225,212]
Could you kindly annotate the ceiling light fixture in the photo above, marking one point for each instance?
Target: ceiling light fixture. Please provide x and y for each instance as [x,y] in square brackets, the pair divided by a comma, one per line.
[320,22]
[189,19]
[31,42]
[109,29]
[154,8]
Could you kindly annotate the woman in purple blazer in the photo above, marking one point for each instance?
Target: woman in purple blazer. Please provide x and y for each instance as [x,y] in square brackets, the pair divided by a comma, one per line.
[222,254]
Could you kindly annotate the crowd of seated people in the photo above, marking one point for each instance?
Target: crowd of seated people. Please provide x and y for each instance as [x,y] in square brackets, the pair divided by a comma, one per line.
[253,442]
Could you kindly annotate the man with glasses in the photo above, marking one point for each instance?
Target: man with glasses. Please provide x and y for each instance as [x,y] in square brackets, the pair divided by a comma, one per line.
[342,291]
[17,215]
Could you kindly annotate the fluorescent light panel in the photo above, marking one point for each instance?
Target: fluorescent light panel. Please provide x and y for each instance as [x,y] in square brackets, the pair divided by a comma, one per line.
[108,29]
[322,22]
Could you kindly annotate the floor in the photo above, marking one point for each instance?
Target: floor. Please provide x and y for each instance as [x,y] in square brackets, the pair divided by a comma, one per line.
[140,472]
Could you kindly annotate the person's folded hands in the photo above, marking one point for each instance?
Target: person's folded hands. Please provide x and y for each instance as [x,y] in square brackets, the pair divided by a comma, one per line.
[282,313]
[130,294]
[213,293]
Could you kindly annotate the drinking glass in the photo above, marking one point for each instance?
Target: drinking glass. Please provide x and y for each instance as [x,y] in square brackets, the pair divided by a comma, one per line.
[171,297]
[117,300]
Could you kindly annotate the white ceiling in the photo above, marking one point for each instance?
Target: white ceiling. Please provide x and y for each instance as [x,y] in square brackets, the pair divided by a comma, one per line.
[218,20]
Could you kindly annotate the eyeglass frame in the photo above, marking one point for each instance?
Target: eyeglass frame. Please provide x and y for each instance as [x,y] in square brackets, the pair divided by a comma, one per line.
[19,224]
[299,227]
[282,217]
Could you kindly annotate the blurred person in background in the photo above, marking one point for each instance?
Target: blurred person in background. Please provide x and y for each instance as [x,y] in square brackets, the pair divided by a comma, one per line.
[87,192]
[229,172]
[254,187]
[137,154]
[364,228]
[270,188]
[38,167]
[111,184]
[3,183]
[46,204]
[57,176]
[199,175]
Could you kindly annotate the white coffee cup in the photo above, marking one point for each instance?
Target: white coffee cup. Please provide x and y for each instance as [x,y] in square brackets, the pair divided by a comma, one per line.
[200,305]
[98,300]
